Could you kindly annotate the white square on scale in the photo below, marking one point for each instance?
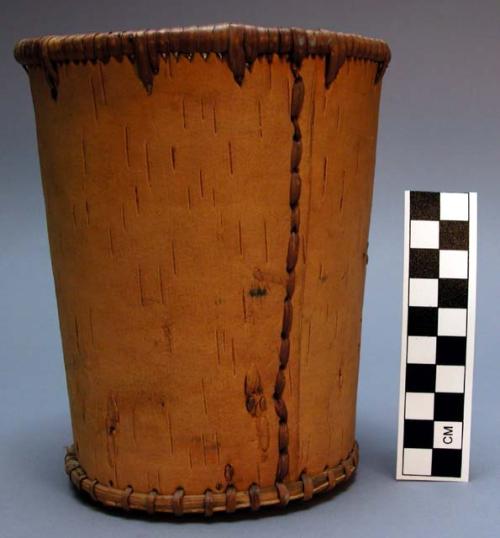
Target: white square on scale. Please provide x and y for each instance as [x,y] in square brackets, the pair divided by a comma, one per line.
[453,264]
[450,378]
[452,322]
[447,435]
[424,234]
[417,461]
[454,206]
[423,292]
[419,406]
[421,349]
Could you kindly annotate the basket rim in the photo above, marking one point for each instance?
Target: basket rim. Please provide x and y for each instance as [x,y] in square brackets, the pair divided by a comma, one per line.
[253,41]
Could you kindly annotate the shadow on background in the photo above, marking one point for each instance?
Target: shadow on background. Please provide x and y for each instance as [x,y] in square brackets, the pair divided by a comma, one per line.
[377,446]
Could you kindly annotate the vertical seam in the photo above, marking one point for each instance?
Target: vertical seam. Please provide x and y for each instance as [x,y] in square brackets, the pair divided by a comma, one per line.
[297,100]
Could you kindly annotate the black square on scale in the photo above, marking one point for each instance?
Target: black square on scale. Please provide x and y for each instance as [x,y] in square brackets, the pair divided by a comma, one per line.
[424,205]
[424,263]
[422,321]
[447,462]
[451,350]
[453,292]
[448,407]
[420,378]
[454,235]
[418,434]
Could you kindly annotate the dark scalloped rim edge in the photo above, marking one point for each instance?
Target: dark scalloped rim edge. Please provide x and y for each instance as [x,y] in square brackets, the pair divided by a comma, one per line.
[239,45]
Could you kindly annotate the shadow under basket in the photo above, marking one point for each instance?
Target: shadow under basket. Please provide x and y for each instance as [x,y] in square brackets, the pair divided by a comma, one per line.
[208,194]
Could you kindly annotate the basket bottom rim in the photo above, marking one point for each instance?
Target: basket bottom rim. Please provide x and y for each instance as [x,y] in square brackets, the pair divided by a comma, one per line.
[209,501]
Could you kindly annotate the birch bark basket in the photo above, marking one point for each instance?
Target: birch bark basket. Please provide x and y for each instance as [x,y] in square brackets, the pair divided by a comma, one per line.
[208,195]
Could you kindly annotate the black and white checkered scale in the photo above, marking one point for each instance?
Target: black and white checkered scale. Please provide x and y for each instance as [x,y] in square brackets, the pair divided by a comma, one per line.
[435,371]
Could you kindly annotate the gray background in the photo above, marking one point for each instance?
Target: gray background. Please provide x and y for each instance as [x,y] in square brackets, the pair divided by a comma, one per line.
[439,130]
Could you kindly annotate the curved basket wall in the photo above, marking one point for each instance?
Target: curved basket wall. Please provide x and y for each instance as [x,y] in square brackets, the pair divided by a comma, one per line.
[208,197]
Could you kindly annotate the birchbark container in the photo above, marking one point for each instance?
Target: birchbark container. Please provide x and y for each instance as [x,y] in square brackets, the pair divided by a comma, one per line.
[208,195]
